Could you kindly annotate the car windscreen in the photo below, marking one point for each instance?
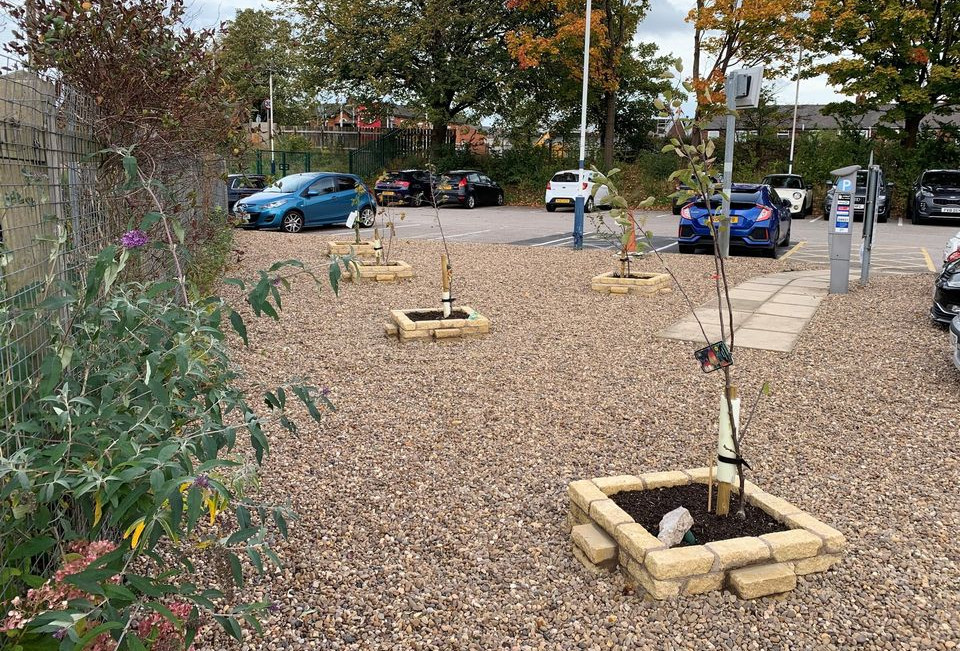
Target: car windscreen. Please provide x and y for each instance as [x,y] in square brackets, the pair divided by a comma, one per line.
[788,182]
[292,183]
[945,179]
[565,177]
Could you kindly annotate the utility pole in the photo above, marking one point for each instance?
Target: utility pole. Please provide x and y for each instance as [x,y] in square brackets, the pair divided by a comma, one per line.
[579,201]
[796,101]
[273,167]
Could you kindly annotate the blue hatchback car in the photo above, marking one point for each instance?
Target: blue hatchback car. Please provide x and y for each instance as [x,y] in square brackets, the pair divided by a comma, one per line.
[309,199]
[759,219]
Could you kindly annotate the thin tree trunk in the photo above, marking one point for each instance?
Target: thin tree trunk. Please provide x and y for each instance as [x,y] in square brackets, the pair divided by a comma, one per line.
[911,128]
[438,137]
[695,137]
[609,128]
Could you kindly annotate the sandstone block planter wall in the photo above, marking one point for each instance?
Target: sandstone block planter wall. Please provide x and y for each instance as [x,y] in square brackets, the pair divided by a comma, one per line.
[343,247]
[750,567]
[405,328]
[396,270]
[639,282]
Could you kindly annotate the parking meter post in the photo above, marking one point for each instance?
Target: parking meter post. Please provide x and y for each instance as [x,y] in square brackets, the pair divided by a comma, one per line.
[578,223]
[869,219]
[723,232]
[839,237]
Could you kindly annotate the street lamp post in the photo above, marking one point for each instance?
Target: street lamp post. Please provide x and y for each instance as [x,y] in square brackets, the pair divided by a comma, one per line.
[796,101]
[579,201]
[273,164]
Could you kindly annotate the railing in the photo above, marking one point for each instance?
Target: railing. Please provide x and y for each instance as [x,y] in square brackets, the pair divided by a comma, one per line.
[398,143]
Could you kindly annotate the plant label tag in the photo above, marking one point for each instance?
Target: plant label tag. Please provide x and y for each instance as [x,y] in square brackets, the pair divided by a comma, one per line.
[352,218]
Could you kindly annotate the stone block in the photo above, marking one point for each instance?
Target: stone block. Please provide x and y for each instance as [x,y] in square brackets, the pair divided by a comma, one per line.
[678,562]
[582,492]
[656,588]
[413,334]
[619,484]
[833,541]
[774,506]
[704,583]
[700,475]
[616,289]
[605,568]
[819,563]
[762,580]
[664,479]
[575,516]
[390,329]
[636,540]
[793,544]
[608,515]
[738,552]
[402,321]
[594,543]
[447,333]
[385,278]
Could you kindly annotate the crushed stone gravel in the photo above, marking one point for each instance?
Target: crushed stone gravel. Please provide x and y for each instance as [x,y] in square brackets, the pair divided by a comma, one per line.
[432,502]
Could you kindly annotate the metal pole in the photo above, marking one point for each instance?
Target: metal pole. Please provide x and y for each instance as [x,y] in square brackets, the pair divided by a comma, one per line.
[579,201]
[270,119]
[723,229]
[796,100]
[869,219]
[839,236]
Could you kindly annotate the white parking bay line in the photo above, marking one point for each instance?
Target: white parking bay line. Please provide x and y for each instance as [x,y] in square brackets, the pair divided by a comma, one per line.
[812,221]
[668,245]
[450,237]
[562,239]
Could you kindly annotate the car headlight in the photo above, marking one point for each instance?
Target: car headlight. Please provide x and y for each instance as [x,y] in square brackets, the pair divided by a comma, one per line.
[274,204]
[926,193]
[797,195]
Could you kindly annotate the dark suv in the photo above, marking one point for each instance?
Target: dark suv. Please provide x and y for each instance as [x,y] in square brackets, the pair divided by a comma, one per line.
[860,197]
[412,187]
[935,195]
[243,185]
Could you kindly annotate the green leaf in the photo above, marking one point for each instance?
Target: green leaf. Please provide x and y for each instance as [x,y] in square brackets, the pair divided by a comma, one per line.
[178,230]
[256,559]
[239,326]
[235,569]
[765,389]
[335,274]
[230,625]
[30,548]
[280,522]
[130,169]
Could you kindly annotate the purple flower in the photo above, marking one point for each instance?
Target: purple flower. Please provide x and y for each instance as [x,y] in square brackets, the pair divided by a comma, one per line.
[273,608]
[202,481]
[325,391]
[60,634]
[133,239]
[277,282]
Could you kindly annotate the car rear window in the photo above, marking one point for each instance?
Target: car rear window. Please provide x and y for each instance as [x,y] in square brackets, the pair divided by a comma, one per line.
[738,200]
[564,177]
[453,178]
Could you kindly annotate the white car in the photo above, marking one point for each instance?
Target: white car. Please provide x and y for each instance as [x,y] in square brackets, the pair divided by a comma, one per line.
[952,250]
[791,187]
[567,185]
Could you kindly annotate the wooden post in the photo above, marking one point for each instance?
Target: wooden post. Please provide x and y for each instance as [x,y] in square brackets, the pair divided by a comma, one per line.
[710,488]
[445,280]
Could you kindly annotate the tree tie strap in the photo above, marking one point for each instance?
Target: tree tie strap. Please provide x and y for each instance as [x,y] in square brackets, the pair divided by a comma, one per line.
[733,461]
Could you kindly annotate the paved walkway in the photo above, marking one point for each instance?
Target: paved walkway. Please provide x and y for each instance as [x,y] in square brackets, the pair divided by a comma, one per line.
[769,312]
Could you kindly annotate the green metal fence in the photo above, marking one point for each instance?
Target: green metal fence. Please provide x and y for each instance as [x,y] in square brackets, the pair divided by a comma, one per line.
[375,156]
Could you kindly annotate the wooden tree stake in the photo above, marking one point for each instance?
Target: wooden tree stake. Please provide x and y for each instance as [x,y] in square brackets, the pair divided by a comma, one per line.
[445,279]
[723,498]
[710,488]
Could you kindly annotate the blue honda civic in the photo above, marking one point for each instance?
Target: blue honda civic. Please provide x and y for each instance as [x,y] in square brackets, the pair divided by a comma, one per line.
[309,199]
[759,219]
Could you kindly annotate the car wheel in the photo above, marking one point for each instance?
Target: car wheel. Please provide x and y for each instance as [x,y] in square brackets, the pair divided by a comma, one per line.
[588,206]
[551,207]
[786,240]
[417,201]
[292,222]
[500,199]
[882,218]
[687,248]
[772,251]
[471,202]
[367,217]
[676,209]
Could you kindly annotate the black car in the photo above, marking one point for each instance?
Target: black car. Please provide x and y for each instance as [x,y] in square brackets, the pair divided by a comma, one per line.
[469,188]
[955,340]
[412,187]
[946,293]
[677,204]
[884,203]
[935,195]
[243,185]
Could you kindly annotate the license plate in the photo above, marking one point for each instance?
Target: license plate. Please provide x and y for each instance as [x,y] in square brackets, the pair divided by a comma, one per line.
[951,210]
[563,201]
[716,219]
[446,186]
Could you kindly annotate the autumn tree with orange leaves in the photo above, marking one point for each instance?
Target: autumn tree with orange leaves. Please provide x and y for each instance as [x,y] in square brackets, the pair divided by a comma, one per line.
[551,41]
[904,52]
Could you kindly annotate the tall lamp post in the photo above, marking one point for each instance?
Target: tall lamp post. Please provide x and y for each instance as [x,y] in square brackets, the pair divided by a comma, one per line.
[579,201]
[273,164]
[796,101]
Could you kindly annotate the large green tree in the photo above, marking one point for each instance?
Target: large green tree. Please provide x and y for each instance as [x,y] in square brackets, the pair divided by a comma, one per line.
[255,42]
[905,52]
[442,56]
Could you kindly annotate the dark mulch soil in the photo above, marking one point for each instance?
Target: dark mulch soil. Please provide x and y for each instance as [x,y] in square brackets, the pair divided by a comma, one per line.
[648,508]
[434,315]
[634,274]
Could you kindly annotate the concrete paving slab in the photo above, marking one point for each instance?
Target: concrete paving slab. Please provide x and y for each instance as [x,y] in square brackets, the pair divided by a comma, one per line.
[805,291]
[688,330]
[751,286]
[710,314]
[736,292]
[785,309]
[773,323]
[796,299]
[766,340]
[773,279]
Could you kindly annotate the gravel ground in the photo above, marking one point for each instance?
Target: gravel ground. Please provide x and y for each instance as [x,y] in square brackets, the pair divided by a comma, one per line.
[432,503]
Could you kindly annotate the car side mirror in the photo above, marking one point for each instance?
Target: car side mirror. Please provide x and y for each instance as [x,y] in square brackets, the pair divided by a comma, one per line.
[311,193]
[786,203]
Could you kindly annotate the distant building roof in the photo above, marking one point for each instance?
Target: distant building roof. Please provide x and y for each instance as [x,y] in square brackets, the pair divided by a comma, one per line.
[811,116]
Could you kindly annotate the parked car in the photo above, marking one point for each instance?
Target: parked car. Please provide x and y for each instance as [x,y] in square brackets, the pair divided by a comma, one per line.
[952,250]
[565,186]
[413,187]
[469,188]
[677,204]
[759,219]
[310,199]
[243,185]
[946,293]
[935,195]
[884,191]
[955,340]
[791,186]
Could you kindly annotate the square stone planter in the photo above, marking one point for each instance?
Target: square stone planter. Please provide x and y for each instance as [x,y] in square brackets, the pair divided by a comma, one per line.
[405,328]
[639,282]
[396,270]
[343,247]
[605,537]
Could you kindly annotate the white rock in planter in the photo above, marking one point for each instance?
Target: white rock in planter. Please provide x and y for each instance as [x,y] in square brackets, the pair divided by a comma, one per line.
[674,526]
